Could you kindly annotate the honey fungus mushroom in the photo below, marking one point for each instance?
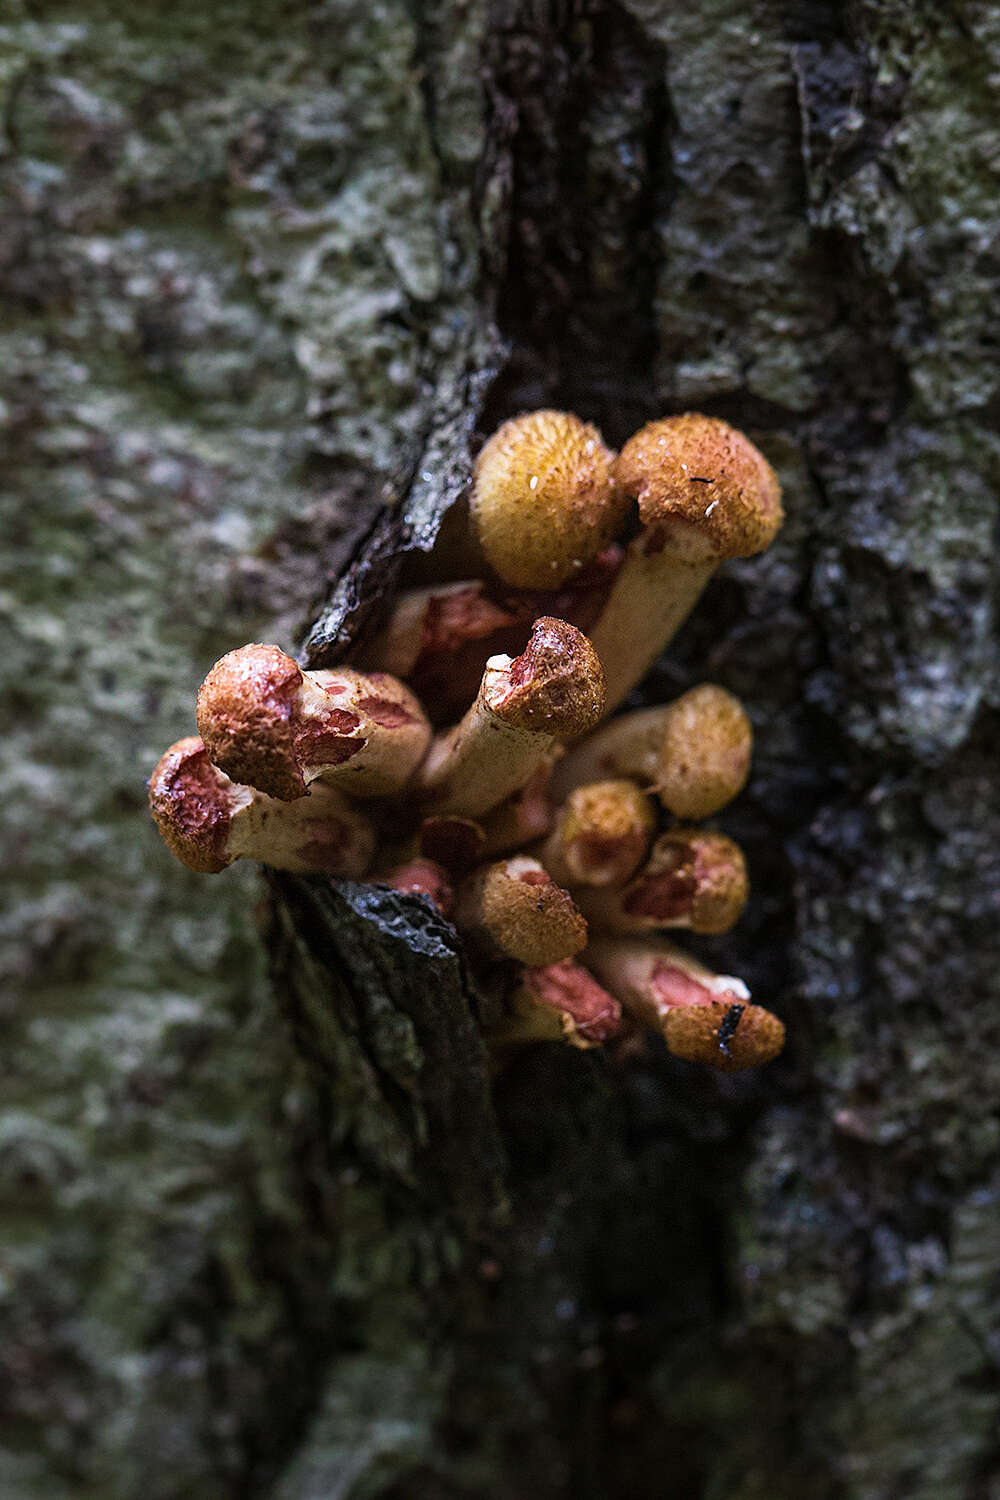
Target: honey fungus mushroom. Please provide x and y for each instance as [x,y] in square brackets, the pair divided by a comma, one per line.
[207,821]
[545,500]
[270,725]
[705,494]
[547,838]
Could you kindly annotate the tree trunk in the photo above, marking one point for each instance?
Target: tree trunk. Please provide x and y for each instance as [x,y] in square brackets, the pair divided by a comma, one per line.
[267,270]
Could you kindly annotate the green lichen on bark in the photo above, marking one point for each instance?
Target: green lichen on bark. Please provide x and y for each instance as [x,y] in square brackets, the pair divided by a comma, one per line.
[265,269]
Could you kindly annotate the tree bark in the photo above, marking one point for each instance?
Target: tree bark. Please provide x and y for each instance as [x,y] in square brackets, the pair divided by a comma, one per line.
[270,1228]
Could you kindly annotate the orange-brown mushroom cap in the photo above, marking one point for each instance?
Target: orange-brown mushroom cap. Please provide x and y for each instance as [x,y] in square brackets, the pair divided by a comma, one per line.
[523,912]
[704,753]
[545,501]
[692,879]
[247,718]
[192,805]
[702,486]
[556,685]
[728,1037]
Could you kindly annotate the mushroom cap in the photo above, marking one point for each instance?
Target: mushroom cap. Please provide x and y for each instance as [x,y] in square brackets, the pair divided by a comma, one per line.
[604,830]
[556,685]
[246,713]
[694,875]
[704,754]
[702,487]
[545,501]
[193,803]
[528,916]
[586,1013]
[727,1036]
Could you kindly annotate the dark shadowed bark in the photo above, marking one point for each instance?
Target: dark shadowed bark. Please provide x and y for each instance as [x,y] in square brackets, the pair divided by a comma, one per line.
[268,272]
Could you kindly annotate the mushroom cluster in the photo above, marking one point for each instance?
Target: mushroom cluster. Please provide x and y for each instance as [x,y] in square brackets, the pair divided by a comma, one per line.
[464,755]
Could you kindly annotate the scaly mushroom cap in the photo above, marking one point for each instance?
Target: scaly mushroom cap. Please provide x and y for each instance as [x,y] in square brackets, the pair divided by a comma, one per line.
[704,757]
[527,915]
[556,685]
[702,487]
[603,832]
[193,805]
[208,821]
[545,501]
[692,879]
[728,1037]
[249,717]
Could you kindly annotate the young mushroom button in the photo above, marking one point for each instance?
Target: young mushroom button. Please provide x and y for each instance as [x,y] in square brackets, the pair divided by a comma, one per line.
[545,501]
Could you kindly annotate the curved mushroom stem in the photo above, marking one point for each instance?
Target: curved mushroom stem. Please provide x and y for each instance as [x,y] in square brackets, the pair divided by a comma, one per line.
[208,821]
[561,1002]
[705,494]
[270,725]
[513,909]
[555,688]
[649,601]
[694,752]
[692,879]
[602,834]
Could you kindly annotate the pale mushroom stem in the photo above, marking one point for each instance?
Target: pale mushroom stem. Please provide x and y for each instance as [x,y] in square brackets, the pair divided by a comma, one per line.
[649,601]
[555,688]
[523,818]
[650,977]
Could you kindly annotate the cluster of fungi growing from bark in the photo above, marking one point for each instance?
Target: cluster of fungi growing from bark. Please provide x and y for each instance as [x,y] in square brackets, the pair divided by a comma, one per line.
[561,846]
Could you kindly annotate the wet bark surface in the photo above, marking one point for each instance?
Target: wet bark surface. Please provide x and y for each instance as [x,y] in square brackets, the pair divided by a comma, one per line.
[267,275]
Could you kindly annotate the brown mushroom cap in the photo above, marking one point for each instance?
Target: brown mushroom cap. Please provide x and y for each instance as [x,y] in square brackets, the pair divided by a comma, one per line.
[702,487]
[193,805]
[528,916]
[556,685]
[602,833]
[692,879]
[704,755]
[728,1037]
[545,501]
[246,716]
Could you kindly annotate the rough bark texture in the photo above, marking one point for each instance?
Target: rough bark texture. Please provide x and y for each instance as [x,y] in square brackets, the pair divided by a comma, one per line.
[265,269]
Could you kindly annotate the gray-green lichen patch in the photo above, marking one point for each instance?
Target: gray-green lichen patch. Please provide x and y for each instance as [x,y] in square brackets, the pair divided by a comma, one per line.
[228,275]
